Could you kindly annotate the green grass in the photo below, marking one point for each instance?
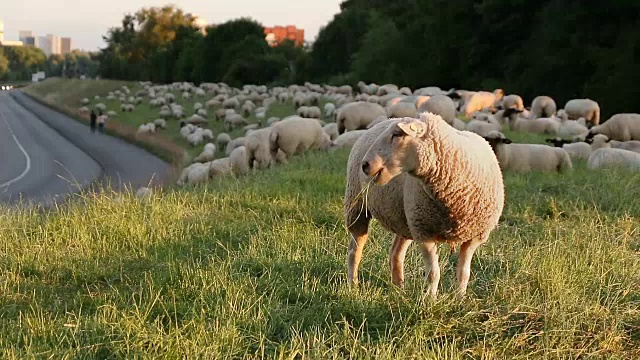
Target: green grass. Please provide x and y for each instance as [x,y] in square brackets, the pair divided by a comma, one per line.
[255,267]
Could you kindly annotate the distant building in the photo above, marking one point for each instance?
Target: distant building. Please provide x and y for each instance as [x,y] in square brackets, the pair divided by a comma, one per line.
[65,45]
[277,34]
[25,34]
[11,43]
[49,44]
[1,31]
[29,41]
[44,44]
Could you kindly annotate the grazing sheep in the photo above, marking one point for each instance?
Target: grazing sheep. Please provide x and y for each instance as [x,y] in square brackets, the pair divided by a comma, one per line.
[483,124]
[347,140]
[329,110]
[536,126]
[580,150]
[207,154]
[528,157]
[207,134]
[160,123]
[250,127]
[377,120]
[222,140]
[234,120]
[202,112]
[609,158]
[432,184]
[258,150]
[543,106]
[231,103]
[357,115]
[196,119]
[482,99]
[332,130]
[297,135]
[513,102]
[239,161]
[633,145]
[569,128]
[237,142]
[85,101]
[220,167]
[586,108]
[440,105]
[111,114]
[620,127]
[402,109]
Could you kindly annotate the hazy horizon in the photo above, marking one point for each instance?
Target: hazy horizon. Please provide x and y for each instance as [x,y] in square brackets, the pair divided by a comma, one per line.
[86,24]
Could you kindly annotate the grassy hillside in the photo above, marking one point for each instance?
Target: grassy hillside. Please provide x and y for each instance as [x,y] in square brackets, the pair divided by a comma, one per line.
[255,268]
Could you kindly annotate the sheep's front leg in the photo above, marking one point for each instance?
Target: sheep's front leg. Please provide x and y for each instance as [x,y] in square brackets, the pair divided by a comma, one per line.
[396,259]
[359,236]
[429,249]
[463,270]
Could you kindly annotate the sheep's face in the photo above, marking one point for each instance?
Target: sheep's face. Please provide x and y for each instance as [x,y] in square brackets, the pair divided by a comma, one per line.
[394,151]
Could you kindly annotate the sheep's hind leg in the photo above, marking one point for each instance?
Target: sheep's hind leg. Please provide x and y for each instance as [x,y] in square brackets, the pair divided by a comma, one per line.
[463,270]
[396,259]
[429,249]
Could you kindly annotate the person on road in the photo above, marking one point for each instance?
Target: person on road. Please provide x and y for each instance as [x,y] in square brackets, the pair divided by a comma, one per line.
[101,119]
[93,121]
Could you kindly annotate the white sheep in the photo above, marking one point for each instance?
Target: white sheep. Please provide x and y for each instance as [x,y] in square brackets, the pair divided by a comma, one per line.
[235,120]
[297,135]
[586,108]
[237,142]
[329,110]
[581,149]
[202,112]
[609,158]
[207,134]
[536,126]
[222,140]
[620,127]
[358,115]
[160,123]
[528,157]
[239,161]
[482,99]
[632,145]
[513,102]
[347,140]
[569,128]
[543,106]
[438,185]
[332,130]
[85,101]
[402,109]
[207,154]
[442,105]
[483,124]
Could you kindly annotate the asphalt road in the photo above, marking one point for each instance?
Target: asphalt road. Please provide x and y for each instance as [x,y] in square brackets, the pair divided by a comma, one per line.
[45,155]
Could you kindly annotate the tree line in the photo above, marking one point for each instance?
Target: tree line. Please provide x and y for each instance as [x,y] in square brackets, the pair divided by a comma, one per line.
[18,63]
[564,49]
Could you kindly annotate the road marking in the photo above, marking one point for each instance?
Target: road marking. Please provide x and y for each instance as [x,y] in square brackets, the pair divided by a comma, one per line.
[26,155]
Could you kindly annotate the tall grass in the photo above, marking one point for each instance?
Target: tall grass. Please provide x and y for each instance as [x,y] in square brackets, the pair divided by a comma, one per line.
[256,268]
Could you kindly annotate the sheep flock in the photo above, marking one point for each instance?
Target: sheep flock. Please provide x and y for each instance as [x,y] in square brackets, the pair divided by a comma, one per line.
[326,118]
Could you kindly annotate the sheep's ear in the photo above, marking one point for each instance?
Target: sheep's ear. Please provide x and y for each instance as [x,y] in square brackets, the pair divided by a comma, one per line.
[506,141]
[550,140]
[415,128]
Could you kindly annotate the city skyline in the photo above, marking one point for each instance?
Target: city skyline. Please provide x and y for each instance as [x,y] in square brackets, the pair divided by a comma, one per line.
[87,30]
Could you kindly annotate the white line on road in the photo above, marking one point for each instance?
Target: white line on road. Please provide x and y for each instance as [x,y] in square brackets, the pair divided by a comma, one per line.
[26,155]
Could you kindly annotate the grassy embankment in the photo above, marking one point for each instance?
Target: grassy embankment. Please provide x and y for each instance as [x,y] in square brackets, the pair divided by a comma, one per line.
[255,267]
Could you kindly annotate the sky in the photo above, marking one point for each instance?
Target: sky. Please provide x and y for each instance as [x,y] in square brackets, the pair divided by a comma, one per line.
[85,21]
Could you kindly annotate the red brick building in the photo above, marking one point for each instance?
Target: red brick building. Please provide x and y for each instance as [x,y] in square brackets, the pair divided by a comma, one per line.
[277,34]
